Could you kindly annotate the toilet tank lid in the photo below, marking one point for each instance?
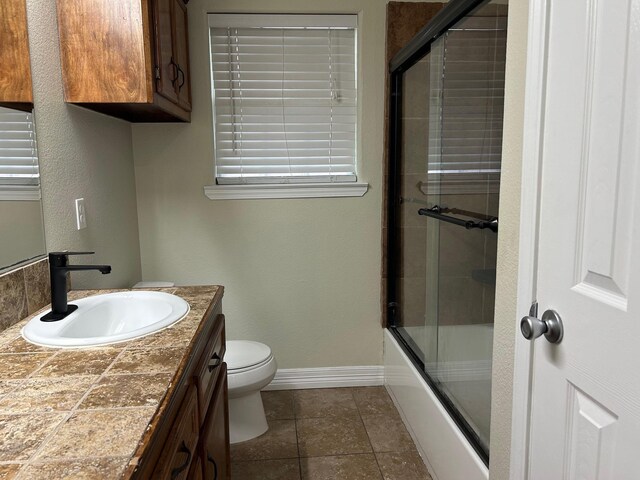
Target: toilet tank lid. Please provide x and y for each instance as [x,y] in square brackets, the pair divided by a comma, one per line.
[245,353]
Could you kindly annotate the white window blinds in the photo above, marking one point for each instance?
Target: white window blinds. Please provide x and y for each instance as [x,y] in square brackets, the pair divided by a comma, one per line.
[18,150]
[285,100]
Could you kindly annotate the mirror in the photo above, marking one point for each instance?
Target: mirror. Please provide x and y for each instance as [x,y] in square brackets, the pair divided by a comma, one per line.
[21,221]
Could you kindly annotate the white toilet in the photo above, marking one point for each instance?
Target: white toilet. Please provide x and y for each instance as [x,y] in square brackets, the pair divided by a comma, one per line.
[250,368]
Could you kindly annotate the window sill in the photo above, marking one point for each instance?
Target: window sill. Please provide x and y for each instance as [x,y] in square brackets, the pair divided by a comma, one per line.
[286,190]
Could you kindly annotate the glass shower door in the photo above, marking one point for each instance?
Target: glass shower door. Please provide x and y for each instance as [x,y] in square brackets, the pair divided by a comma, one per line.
[446,229]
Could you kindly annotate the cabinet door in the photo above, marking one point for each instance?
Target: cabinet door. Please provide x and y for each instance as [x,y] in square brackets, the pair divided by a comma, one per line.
[166,64]
[216,455]
[181,445]
[195,473]
[181,54]
[15,73]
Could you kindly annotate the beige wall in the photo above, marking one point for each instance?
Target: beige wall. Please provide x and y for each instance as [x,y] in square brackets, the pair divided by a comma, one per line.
[82,154]
[302,275]
[507,269]
[22,234]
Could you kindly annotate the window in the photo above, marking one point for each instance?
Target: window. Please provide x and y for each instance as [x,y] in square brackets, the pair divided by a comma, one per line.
[19,173]
[284,101]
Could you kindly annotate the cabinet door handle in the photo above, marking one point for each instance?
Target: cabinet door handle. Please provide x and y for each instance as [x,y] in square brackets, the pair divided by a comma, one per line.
[175,473]
[176,71]
[181,82]
[215,466]
[214,362]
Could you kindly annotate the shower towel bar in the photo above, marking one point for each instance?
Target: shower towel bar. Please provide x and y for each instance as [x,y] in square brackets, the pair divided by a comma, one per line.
[436,212]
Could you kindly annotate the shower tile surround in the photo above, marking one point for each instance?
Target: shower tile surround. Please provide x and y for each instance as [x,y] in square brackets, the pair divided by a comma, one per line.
[329,434]
[82,413]
[404,20]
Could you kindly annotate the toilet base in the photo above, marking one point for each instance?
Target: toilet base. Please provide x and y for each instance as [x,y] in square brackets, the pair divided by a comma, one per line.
[246,417]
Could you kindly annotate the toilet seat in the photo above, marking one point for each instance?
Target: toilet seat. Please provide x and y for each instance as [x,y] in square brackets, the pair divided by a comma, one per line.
[250,366]
[243,355]
[236,371]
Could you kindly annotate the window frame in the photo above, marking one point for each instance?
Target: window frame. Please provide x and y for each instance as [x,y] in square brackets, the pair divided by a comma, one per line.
[290,189]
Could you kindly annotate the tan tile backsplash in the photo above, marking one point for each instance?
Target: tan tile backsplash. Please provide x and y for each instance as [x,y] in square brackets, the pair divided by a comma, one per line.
[13,298]
[23,291]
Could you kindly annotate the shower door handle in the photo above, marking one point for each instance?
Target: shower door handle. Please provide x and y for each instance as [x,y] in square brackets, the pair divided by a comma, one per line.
[550,326]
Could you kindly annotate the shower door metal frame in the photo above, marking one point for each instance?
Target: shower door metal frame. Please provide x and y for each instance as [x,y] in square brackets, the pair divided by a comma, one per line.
[416,49]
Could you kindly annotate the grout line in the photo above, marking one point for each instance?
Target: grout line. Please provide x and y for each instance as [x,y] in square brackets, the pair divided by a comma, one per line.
[26,292]
[42,365]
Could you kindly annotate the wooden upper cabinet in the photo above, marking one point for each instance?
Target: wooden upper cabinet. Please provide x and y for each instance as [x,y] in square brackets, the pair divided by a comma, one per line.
[122,57]
[172,51]
[182,54]
[15,67]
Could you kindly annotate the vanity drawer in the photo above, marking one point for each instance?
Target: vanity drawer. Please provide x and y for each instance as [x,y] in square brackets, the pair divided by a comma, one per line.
[210,364]
[180,447]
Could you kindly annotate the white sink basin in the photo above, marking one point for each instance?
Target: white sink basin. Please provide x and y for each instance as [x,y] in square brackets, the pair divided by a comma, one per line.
[107,319]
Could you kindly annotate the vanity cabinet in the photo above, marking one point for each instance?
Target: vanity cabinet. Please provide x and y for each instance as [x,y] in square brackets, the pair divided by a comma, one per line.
[180,447]
[126,58]
[191,439]
[15,66]
[214,445]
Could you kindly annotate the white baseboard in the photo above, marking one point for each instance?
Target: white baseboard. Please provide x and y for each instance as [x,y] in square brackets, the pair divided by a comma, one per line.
[300,378]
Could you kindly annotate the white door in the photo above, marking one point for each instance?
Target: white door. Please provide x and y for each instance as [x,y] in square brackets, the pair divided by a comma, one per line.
[585,404]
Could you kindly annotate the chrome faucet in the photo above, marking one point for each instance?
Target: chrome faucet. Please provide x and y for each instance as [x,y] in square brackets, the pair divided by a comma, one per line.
[58,268]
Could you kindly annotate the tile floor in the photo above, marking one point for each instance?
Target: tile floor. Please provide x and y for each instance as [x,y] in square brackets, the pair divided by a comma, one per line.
[329,434]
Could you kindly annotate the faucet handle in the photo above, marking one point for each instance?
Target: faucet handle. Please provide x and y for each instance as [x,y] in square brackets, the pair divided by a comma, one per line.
[60,259]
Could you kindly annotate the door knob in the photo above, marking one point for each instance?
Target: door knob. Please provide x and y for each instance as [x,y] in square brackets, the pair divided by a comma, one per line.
[550,325]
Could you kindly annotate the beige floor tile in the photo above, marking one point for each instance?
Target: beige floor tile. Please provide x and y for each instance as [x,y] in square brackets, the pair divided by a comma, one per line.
[387,433]
[137,390]
[279,442]
[373,401]
[324,402]
[21,435]
[148,360]
[46,395]
[402,466]
[283,469]
[344,467]
[85,435]
[79,362]
[21,365]
[331,436]
[89,469]
[278,405]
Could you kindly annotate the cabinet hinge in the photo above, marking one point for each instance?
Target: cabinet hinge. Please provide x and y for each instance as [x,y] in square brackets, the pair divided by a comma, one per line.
[157,72]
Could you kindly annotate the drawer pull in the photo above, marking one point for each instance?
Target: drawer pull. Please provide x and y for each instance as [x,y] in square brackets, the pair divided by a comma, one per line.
[175,473]
[214,362]
[215,466]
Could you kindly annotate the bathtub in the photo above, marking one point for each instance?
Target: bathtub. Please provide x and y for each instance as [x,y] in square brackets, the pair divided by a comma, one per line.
[445,450]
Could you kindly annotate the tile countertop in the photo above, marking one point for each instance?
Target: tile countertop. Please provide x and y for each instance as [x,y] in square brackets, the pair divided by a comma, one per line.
[83,413]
